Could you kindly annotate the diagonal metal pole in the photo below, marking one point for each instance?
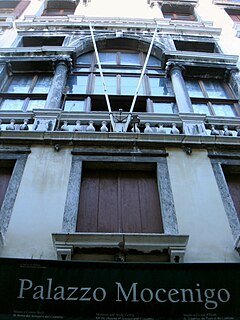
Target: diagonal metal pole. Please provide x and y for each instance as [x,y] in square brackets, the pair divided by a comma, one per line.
[102,77]
[140,80]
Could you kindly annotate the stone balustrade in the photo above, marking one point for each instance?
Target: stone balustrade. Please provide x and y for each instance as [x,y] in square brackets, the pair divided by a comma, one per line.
[176,124]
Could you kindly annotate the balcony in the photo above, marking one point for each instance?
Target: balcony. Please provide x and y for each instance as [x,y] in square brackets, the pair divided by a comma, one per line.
[73,128]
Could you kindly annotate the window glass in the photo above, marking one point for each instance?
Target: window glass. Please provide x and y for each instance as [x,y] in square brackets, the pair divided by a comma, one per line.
[152,61]
[108,57]
[215,89]
[193,88]
[119,70]
[74,105]
[43,84]
[110,85]
[85,58]
[201,108]
[162,107]
[129,86]
[77,84]
[225,110]
[20,84]
[130,58]
[160,86]
[12,104]
[35,104]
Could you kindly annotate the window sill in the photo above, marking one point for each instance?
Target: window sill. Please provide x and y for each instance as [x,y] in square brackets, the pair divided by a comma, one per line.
[143,244]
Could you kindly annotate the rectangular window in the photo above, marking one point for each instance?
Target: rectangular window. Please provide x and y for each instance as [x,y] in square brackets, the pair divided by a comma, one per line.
[129,86]
[60,8]
[178,12]
[25,92]
[232,176]
[111,84]
[164,107]
[13,7]
[195,46]
[41,41]
[77,84]
[234,14]
[74,105]
[212,97]
[28,83]
[6,169]
[160,86]
[119,200]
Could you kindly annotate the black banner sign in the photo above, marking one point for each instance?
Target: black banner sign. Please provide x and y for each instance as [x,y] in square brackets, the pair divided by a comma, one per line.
[38,289]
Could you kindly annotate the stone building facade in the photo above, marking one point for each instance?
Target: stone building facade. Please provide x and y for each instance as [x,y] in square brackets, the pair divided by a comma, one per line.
[120,130]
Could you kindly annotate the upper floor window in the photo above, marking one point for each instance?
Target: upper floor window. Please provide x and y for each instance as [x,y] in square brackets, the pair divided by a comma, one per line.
[39,41]
[232,176]
[59,8]
[212,97]
[122,70]
[25,91]
[13,7]
[234,14]
[178,12]
[109,194]
[197,46]
[6,169]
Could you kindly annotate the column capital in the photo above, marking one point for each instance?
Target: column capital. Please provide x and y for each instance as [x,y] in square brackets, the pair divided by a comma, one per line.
[230,72]
[64,61]
[172,65]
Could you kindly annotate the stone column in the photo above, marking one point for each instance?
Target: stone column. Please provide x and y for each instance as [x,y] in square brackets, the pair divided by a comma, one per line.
[182,98]
[56,90]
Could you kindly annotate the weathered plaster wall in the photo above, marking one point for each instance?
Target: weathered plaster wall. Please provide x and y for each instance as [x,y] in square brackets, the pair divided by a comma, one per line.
[199,208]
[39,206]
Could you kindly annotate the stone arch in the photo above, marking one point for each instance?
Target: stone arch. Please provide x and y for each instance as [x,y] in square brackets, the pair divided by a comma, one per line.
[119,42]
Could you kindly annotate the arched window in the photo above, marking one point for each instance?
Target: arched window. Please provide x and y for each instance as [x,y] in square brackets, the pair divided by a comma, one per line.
[121,70]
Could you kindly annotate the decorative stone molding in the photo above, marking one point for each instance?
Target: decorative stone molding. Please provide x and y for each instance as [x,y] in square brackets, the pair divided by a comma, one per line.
[45,120]
[175,245]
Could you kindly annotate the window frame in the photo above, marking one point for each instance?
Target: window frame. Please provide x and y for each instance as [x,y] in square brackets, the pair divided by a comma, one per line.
[20,156]
[26,97]
[175,12]
[59,8]
[218,160]
[118,71]
[16,10]
[209,101]
[171,240]
[165,192]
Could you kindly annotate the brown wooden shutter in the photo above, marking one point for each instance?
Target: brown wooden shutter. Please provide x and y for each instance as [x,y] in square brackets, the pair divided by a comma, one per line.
[20,8]
[5,175]
[119,201]
[233,181]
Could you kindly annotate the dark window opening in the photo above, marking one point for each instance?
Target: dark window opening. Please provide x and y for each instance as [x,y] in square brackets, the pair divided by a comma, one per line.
[234,14]
[59,8]
[118,198]
[178,12]
[13,7]
[41,41]
[196,46]
[6,169]
[98,103]
[232,176]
